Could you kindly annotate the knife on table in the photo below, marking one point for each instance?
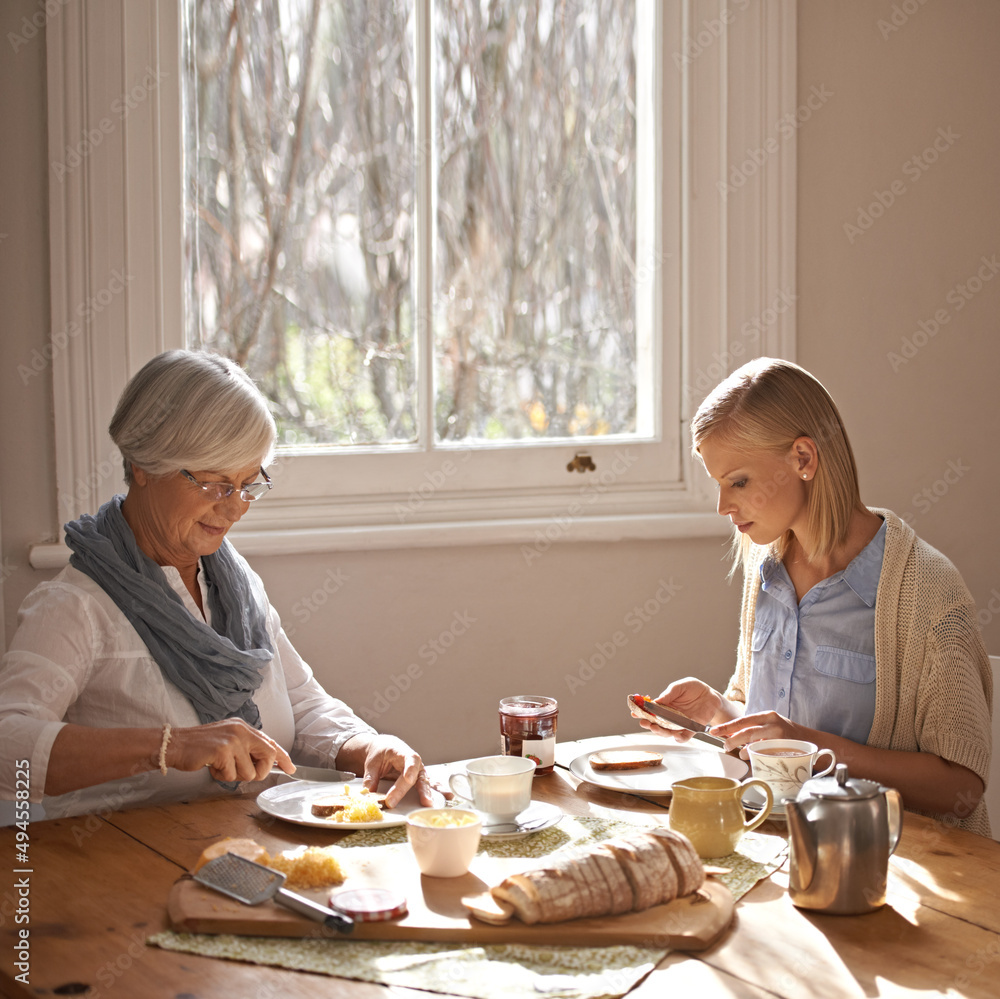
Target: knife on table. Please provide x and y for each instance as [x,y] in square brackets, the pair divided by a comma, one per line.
[677,720]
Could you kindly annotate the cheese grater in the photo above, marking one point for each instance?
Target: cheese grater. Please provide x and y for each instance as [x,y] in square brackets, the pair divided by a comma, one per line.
[252,883]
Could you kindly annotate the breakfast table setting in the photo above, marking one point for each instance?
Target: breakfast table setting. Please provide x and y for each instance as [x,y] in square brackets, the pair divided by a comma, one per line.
[620,865]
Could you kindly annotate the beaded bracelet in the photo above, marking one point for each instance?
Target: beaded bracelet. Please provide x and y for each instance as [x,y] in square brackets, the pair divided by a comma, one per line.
[163,748]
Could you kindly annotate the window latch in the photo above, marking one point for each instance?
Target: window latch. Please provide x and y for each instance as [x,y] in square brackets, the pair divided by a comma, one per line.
[582,462]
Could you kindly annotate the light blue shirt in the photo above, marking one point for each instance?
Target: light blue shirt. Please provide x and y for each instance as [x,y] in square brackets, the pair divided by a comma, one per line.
[814,660]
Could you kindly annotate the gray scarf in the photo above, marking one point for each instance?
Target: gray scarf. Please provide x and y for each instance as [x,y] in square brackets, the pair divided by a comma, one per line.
[217,668]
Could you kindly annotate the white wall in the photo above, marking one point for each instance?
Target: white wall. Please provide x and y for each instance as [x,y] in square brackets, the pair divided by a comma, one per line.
[534,622]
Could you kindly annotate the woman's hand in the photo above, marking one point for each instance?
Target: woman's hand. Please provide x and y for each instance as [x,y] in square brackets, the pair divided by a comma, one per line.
[762,725]
[231,749]
[384,757]
[693,698]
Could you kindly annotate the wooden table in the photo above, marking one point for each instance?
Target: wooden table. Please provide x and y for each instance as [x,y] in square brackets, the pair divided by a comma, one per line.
[99,883]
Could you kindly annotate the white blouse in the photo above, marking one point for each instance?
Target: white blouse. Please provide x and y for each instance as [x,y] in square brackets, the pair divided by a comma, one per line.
[76,658]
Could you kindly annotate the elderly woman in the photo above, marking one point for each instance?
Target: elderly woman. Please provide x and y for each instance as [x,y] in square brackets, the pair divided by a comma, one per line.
[153,667]
[854,633]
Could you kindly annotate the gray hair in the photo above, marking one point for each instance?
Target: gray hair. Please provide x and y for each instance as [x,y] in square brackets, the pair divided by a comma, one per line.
[191,409]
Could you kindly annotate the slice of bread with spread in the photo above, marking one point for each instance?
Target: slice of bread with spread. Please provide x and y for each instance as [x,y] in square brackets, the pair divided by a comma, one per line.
[624,759]
[329,806]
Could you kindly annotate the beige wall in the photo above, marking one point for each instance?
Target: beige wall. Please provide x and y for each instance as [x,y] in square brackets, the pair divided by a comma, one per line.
[924,430]
[527,626]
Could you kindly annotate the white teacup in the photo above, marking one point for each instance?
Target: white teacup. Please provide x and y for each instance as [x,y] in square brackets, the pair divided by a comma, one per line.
[786,764]
[500,786]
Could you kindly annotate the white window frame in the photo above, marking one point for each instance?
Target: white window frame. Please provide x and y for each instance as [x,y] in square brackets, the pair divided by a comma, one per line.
[724,289]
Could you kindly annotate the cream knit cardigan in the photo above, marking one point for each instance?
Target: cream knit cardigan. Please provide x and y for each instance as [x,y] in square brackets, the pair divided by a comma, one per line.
[933,680]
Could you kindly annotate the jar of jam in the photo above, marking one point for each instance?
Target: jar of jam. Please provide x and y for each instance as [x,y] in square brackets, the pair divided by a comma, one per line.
[528,728]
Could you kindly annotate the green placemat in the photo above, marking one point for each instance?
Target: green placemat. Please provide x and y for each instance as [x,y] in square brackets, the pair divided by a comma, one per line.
[758,857]
[485,972]
[490,971]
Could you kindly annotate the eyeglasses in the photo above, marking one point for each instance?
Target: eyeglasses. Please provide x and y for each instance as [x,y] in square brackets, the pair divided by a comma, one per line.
[217,491]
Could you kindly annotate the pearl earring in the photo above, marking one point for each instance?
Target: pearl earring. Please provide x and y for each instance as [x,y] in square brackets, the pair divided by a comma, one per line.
[804,476]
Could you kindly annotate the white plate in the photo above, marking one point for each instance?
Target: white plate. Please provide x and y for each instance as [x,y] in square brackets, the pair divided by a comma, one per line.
[679,762]
[292,802]
[754,801]
[537,816]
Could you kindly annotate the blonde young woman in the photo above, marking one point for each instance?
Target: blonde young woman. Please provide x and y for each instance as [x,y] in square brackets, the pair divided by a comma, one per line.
[854,633]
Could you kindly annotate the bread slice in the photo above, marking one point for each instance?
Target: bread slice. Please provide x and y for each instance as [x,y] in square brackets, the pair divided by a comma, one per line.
[624,759]
[519,892]
[247,848]
[648,869]
[578,881]
[562,895]
[684,857]
[487,909]
[619,890]
[323,808]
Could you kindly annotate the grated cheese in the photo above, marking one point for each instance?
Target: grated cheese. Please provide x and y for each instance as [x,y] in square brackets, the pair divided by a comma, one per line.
[312,867]
[359,811]
[303,867]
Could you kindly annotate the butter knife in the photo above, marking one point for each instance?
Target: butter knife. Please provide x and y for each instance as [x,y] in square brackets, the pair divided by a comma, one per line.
[317,774]
[677,720]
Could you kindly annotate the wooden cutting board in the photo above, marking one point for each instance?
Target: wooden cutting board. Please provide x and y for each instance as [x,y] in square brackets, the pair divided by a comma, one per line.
[436,912]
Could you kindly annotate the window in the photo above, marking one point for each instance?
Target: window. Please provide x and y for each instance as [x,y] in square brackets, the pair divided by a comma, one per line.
[305,214]
[580,286]
[317,236]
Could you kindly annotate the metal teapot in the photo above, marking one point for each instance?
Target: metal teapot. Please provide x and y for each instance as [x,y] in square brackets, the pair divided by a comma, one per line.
[842,832]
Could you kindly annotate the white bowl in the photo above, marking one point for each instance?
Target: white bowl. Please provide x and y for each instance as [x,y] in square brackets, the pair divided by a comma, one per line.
[446,850]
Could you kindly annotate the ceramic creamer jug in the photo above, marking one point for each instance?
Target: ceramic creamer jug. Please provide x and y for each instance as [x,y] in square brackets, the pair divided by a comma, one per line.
[709,811]
[842,831]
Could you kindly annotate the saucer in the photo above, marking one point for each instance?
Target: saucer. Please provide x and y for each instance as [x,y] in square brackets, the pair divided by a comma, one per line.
[537,816]
[753,800]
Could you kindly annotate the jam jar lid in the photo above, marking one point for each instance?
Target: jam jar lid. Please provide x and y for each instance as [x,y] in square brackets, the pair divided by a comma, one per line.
[528,704]
[369,905]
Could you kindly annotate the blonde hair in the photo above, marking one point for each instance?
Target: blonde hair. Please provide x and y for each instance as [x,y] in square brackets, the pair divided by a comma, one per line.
[191,409]
[764,406]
